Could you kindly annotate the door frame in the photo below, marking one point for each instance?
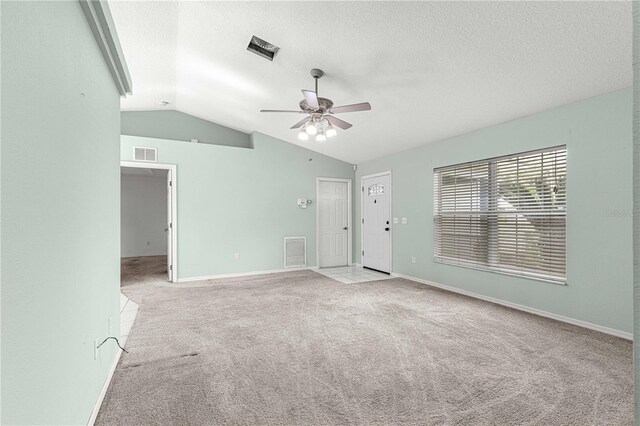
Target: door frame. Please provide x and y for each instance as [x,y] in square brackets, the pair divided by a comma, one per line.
[349,218]
[391,224]
[174,207]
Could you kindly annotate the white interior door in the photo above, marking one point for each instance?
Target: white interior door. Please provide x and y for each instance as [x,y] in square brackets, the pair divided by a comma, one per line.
[169,226]
[333,223]
[376,223]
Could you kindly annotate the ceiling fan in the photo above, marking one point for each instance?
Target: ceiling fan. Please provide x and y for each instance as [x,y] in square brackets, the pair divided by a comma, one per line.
[321,121]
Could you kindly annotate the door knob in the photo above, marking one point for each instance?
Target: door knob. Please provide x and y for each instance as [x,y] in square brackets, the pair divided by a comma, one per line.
[386,229]
[345,228]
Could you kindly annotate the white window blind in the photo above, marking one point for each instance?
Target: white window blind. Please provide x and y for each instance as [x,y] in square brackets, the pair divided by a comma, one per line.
[505,214]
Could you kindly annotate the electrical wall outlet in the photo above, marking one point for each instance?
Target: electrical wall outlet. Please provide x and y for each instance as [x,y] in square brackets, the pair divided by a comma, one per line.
[395,220]
[404,220]
[413,259]
[236,256]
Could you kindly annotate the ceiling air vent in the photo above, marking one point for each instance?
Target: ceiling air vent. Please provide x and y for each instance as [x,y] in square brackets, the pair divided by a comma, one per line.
[141,153]
[263,48]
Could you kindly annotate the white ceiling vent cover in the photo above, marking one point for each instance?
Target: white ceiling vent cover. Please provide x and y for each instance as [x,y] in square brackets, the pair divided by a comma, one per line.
[295,252]
[149,155]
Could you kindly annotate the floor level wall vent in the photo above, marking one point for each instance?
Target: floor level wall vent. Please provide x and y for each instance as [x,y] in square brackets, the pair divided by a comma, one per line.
[295,252]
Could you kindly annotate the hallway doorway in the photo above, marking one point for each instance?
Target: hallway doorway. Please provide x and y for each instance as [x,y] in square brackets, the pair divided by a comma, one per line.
[148,216]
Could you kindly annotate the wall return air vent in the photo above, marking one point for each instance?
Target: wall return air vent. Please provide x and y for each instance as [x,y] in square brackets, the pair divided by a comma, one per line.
[263,48]
[150,155]
[295,252]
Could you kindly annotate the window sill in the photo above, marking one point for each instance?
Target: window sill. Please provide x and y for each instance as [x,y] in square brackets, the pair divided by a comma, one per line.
[530,276]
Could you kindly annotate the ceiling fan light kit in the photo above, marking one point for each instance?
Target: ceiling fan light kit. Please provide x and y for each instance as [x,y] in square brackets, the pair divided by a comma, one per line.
[318,127]
[321,121]
[310,129]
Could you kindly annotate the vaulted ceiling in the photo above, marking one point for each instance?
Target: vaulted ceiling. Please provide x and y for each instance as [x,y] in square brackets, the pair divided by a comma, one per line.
[430,70]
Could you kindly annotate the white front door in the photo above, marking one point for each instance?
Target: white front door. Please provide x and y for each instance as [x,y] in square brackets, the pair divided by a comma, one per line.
[333,223]
[376,223]
[169,227]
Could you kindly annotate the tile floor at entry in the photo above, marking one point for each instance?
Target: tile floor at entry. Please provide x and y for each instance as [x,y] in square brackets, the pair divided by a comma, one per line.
[353,274]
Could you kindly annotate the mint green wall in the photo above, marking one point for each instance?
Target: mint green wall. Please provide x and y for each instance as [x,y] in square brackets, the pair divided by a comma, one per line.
[60,213]
[179,126]
[597,133]
[234,200]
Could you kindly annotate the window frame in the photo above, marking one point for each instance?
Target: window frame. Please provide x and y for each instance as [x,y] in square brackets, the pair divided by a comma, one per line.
[499,268]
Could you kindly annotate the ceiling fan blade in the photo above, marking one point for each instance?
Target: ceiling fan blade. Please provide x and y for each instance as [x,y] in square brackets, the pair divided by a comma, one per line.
[364,106]
[300,123]
[281,110]
[312,98]
[337,122]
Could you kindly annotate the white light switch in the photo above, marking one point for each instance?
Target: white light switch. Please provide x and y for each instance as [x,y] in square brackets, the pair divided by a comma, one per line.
[404,220]
[395,220]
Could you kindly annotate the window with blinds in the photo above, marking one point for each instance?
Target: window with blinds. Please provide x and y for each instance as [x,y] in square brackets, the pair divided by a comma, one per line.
[505,214]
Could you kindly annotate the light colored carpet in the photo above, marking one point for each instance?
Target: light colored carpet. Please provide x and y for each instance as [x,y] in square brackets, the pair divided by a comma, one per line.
[300,348]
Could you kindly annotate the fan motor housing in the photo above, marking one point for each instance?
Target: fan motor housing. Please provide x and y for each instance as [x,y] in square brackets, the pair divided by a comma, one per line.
[323,103]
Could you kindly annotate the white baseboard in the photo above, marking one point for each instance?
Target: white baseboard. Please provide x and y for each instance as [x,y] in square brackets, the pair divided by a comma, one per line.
[103,392]
[244,274]
[580,323]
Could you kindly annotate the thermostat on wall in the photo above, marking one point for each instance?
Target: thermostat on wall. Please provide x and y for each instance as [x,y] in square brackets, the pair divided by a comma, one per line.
[303,202]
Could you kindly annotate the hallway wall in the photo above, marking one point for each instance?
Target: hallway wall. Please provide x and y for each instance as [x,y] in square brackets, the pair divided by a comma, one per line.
[143,215]
[237,200]
[60,214]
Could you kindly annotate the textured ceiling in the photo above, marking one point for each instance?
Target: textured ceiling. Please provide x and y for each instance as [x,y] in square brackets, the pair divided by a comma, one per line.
[430,70]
